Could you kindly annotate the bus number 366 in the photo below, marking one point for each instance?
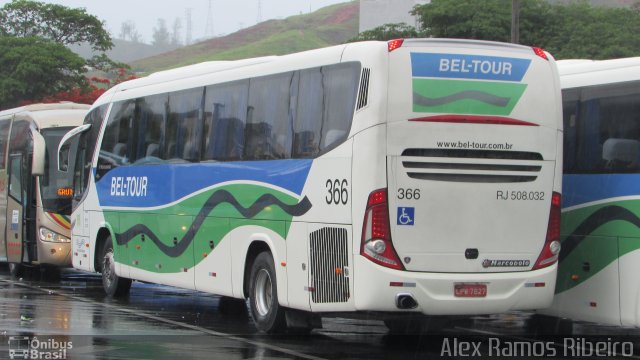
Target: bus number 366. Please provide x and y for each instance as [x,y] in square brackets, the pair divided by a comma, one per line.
[408,194]
[337,192]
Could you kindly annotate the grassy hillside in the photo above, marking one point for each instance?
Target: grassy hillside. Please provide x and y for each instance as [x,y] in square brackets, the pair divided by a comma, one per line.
[123,51]
[328,26]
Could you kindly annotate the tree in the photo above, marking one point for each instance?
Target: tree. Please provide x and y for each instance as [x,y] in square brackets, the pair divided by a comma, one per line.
[32,67]
[25,18]
[97,87]
[129,32]
[387,32]
[581,31]
[161,35]
[576,30]
[34,61]
[175,35]
[468,19]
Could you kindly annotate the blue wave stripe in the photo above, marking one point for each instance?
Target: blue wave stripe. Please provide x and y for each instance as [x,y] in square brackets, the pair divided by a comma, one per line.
[581,189]
[189,178]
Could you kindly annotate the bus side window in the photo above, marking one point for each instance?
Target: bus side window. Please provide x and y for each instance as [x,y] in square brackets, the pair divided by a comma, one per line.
[150,121]
[4,134]
[15,182]
[607,131]
[86,147]
[340,84]
[226,109]
[308,123]
[570,109]
[185,124]
[269,124]
[116,143]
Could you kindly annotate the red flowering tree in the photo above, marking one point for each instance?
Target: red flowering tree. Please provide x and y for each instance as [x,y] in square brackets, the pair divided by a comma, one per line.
[96,86]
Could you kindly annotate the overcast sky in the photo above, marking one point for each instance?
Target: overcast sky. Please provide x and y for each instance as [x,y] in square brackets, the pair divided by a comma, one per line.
[228,15]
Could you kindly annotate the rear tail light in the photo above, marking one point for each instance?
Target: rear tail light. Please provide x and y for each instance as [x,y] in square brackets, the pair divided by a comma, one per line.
[394,44]
[551,250]
[540,52]
[376,232]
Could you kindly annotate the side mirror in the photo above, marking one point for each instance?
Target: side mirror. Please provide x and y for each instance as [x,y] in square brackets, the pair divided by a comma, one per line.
[65,145]
[39,153]
[63,157]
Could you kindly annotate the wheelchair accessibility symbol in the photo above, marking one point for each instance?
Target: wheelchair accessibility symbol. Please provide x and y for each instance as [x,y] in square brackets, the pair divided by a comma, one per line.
[405,215]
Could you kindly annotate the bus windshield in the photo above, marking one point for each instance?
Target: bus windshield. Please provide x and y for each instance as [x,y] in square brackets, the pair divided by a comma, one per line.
[55,185]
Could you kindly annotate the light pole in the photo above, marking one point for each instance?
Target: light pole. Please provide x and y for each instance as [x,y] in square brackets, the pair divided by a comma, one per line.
[515,21]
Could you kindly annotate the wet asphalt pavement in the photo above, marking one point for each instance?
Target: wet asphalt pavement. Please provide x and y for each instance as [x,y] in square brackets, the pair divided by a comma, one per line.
[70,318]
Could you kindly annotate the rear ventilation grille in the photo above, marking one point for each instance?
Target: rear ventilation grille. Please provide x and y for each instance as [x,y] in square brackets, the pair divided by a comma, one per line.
[329,265]
[363,95]
[473,154]
[479,166]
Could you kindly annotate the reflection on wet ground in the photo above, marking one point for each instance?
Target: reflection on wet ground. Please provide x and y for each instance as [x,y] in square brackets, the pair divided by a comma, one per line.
[160,322]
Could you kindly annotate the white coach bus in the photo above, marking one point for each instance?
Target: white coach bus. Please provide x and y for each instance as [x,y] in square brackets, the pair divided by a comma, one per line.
[35,198]
[598,269]
[416,176]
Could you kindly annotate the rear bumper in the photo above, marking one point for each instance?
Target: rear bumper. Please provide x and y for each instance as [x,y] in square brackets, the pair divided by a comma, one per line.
[434,291]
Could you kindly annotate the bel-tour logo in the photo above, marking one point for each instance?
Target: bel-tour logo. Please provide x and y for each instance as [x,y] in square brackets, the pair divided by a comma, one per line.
[467,84]
[133,186]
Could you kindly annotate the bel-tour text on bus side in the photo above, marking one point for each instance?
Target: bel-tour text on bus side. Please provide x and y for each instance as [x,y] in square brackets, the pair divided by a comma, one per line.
[475,66]
[134,186]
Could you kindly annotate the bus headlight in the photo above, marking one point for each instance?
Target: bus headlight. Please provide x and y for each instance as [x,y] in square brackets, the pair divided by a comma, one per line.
[51,236]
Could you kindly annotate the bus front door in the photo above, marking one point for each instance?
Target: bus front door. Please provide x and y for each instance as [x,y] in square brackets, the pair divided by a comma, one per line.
[15,210]
[20,230]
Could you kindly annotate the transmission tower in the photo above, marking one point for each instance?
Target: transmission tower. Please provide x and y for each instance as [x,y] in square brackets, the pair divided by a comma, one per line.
[208,30]
[259,18]
[189,37]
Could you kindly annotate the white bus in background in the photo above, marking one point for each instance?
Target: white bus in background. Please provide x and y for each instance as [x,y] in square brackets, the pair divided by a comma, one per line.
[598,270]
[35,198]
[401,178]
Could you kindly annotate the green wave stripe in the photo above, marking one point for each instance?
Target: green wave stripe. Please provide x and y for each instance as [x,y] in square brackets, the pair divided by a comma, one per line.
[600,248]
[438,89]
[172,222]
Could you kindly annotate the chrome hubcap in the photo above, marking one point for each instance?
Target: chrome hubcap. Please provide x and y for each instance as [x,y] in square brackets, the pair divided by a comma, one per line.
[263,292]
[108,269]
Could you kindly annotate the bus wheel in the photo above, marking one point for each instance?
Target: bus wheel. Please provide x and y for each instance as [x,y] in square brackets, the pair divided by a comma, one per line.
[266,313]
[539,324]
[411,325]
[16,270]
[113,285]
[50,273]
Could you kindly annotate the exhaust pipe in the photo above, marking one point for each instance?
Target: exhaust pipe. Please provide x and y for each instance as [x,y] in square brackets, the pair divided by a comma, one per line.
[406,302]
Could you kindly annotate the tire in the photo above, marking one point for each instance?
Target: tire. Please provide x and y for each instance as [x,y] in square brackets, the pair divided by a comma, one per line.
[114,286]
[232,306]
[16,270]
[404,326]
[266,313]
[539,324]
[50,273]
